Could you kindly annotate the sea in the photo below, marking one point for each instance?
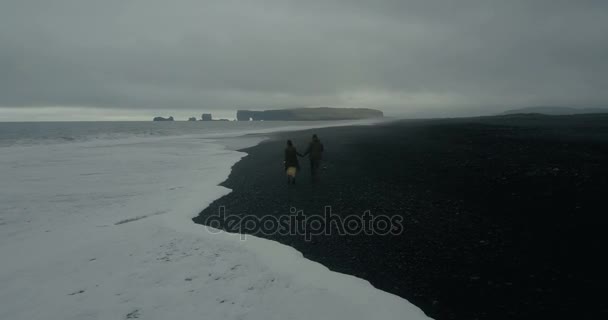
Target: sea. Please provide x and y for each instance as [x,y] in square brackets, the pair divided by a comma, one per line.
[37,133]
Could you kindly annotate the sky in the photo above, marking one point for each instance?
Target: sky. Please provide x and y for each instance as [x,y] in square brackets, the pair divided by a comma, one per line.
[135,59]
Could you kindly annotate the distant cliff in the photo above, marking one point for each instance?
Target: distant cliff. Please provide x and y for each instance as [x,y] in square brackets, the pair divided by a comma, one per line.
[309,114]
[162,119]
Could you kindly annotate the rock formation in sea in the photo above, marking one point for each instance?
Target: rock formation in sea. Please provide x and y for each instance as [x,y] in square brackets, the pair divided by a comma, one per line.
[162,119]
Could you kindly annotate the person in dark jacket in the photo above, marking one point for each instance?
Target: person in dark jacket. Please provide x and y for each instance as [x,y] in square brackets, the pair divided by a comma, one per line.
[291,162]
[315,152]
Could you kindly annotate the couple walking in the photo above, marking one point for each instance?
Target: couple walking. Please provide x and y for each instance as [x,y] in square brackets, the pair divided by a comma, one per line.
[314,152]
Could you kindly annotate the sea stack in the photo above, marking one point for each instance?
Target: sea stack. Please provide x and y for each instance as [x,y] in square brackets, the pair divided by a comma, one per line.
[162,119]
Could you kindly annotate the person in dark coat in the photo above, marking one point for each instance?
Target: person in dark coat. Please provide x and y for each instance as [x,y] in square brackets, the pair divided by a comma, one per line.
[315,152]
[291,162]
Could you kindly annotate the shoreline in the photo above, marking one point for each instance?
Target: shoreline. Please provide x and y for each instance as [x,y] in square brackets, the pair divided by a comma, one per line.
[454,241]
[106,231]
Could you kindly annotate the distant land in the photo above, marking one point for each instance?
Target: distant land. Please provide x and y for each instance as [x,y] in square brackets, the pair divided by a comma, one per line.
[162,119]
[556,110]
[309,114]
[205,117]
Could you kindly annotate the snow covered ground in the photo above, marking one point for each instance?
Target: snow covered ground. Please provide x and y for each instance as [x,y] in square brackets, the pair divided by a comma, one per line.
[103,230]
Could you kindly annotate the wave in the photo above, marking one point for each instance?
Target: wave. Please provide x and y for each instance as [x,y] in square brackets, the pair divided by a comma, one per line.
[45,133]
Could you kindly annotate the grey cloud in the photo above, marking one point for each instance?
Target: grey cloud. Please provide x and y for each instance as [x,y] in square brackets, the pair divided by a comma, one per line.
[403,56]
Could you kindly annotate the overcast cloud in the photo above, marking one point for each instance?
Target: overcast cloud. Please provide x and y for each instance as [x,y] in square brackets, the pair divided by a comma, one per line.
[402,56]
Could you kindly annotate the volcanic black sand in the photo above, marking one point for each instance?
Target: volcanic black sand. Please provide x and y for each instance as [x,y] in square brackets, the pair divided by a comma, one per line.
[504,217]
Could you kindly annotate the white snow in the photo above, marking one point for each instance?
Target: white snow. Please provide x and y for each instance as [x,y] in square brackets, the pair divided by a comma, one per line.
[103,230]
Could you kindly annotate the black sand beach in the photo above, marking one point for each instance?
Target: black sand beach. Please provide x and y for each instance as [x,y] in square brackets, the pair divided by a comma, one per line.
[504,217]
